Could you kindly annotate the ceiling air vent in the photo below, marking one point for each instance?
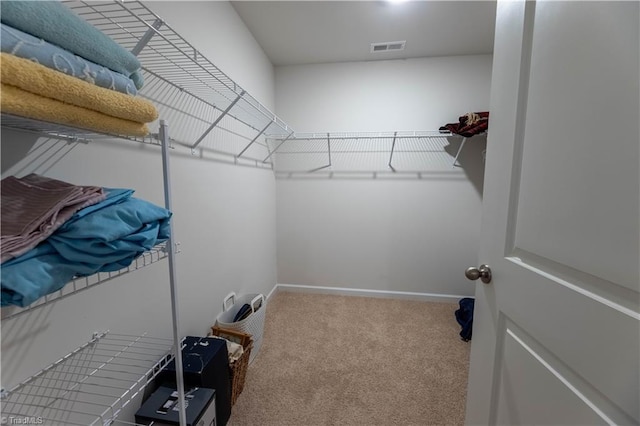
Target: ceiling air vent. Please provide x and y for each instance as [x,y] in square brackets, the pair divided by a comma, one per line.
[389,46]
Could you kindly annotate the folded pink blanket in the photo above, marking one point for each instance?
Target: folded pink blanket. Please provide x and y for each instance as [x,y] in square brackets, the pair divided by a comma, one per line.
[35,206]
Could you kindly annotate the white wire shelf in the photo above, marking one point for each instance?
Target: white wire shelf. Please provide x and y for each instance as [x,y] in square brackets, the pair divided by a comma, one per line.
[79,284]
[372,152]
[92,384]
[68,133]
[165,55]
[370,135]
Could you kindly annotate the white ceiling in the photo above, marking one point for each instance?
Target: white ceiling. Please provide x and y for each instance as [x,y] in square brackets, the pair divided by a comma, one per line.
[306,32]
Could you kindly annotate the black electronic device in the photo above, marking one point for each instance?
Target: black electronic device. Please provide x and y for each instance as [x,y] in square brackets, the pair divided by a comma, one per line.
[162,409]
[205,363]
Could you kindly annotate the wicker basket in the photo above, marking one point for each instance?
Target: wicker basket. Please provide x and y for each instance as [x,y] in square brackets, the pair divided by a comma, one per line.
[238,368]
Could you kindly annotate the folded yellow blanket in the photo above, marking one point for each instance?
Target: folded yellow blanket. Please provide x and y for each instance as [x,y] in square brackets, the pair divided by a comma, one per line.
[40,80]
[26,104]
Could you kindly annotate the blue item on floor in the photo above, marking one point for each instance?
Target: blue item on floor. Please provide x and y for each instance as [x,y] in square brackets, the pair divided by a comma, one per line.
[464,316]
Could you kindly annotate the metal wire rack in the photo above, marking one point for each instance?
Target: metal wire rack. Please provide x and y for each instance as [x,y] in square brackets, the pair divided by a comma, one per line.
[68,133]
[393,152]
[180,80]
[154,255]
[91,385]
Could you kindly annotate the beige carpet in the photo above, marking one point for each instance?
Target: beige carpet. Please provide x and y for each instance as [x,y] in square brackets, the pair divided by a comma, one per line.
[343,360]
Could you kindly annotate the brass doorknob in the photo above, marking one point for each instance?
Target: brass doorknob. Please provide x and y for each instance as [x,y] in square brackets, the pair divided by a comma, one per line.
[483,272]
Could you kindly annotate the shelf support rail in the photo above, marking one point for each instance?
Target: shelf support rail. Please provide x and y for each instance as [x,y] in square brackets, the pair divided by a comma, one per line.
[94,339]
[277,147]
[96,370]
[147,37]
[455,160]
[79,284]
[215,123]
[254,139]
[177,347]
[134,390]
[393,145]
[53,378]
[328,152]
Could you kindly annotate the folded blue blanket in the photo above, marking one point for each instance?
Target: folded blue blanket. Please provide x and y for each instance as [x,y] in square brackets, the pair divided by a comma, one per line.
[26,46]
[57,24]
[104,237]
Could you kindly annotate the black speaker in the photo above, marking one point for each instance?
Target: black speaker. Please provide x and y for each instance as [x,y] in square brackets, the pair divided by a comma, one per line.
[205,364]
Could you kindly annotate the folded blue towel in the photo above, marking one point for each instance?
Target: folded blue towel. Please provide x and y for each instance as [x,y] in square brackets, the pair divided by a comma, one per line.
[104,237]
[57,24]
[113,233]
[26,46]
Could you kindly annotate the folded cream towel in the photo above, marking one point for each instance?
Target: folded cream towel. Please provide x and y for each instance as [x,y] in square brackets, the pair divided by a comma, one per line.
[235,350]
[35,78]
[26,104]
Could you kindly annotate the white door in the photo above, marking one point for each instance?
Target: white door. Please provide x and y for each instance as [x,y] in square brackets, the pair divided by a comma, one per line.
[556,332]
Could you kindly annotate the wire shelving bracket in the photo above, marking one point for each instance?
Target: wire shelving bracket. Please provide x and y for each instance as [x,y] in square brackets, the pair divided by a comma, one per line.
[167,57]
[92,384]
[394,152]
[79,284]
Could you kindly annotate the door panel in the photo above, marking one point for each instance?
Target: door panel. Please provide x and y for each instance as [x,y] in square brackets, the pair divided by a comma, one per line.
[557,332]
[536,377]
[594,338]
[566,189]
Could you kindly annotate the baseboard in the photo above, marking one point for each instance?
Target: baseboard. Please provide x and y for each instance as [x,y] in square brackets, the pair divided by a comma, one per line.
[386,294]
[273,291]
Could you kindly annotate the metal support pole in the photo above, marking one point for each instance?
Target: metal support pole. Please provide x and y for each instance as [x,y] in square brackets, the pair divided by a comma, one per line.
[329,148]
[146,37]
[393,145]
[455,160]
[164,137]
[254,139]
[215,123]
[319,168]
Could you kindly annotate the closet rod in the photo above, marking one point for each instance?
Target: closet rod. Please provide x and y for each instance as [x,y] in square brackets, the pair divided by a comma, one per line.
[366,135]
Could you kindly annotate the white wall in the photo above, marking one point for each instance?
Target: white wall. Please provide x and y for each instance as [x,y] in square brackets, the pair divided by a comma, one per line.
[376,96]
[224,215]
[411,234]
[217,31]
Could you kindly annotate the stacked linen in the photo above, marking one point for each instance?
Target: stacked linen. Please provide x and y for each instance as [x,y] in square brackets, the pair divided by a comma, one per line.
[35,91]
[34,207]
[104,237]
[56,67]
[470,124]
[26,46]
